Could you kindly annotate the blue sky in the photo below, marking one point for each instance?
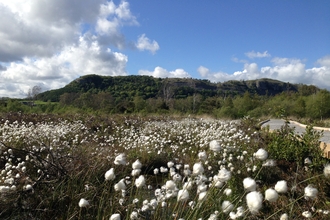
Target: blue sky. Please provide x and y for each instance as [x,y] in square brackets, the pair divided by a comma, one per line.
[51,43]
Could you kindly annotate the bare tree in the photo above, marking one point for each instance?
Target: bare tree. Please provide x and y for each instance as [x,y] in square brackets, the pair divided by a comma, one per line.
[33,93]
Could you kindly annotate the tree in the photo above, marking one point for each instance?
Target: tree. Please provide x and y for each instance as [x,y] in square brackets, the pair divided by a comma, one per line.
[33,92]
[318,105]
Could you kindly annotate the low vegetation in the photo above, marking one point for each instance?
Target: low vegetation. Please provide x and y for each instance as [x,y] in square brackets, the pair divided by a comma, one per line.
[83,166]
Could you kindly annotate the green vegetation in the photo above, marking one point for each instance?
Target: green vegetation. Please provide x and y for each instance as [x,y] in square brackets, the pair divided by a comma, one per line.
[144,95]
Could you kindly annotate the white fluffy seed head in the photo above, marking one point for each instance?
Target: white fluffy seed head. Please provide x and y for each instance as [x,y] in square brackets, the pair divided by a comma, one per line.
[202,196]
[120,185]
[136,172]
[224,175]
[261,154]
[254,201]
[326,170]
[137,165]
[284,217]
[115,217]
[249,184]
[83,203]
[140,181]
[271,195]
[183,195]
[120,159]
[202,155]
[281,186]
[310,192]
[170,185]
[215,146]
[307,214]
[110,175]
[227,206]
[198,169]
[227,191]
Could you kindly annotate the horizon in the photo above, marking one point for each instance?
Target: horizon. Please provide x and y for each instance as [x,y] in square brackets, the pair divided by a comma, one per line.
[50,44]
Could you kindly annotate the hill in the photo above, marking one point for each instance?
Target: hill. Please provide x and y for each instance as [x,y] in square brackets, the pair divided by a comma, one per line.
[128,87]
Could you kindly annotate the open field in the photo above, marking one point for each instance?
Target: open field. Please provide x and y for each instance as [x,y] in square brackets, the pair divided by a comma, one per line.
[126,167]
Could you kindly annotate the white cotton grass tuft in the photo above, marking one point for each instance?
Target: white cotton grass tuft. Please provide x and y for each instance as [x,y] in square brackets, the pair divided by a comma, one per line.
[120,185]
[115,217]
[202,196]
[249,184]
[83,203]
[310,192]
[110,175]
[239,213]
[136,172]
[134,215]
[261,154]
[28,187]
[281,186]
[307,214]
[271,195]
[120,159]
[227,206]
[137,165]
[254,201]
[269,163]
[202,155]
[198,169]
[284,216]
[215,146]
[223,175]
[307,161]
[227,191]
[183,195]
[326,170]
[170,164]
[170,185]
[140,182]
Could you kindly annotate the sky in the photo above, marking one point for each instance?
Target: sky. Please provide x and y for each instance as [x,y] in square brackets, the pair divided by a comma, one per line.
[51,43]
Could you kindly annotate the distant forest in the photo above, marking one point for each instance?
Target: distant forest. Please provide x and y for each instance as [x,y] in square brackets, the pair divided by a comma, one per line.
[149,95]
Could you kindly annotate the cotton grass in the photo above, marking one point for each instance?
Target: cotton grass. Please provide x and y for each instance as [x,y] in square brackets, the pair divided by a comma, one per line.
[195,169]
[254,201]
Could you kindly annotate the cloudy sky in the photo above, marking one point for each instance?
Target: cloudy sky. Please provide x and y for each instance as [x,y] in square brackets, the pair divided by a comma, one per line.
[52,42]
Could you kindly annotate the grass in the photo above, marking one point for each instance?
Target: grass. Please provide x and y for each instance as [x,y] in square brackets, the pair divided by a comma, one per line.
[65,159]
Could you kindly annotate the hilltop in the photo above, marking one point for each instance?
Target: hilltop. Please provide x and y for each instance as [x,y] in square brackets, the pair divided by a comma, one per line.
[150,87]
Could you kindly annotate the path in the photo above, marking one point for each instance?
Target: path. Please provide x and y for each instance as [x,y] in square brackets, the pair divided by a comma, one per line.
[299,128]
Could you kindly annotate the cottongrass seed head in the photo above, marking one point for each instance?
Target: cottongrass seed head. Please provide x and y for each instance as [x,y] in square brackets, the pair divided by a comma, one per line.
[326,170]
[83,203]
[254,201]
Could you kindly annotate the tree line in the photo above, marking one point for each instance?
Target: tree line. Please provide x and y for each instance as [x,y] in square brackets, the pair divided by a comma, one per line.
[314,105]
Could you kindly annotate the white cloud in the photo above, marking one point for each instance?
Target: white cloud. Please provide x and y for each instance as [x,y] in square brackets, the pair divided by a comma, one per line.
[203,71]
[324,61]
[144,43]
[213,76]
[58,70]
[50,43]
[41,28]
[253,54]
[110,20]
[284,69]
[163,73]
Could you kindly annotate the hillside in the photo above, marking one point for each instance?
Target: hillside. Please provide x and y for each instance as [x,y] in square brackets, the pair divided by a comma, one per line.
[128,87]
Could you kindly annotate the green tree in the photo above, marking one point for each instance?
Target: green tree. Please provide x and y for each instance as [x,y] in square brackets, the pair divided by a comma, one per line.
[318,105]
[299,109]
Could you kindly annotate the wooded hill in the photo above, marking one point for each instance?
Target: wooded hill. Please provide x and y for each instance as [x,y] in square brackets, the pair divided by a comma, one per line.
[128,87]
[149,95]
